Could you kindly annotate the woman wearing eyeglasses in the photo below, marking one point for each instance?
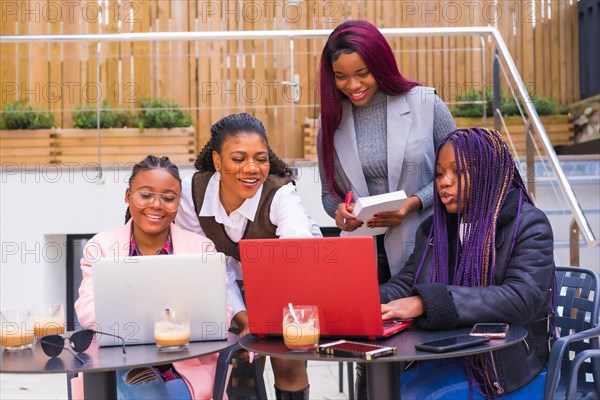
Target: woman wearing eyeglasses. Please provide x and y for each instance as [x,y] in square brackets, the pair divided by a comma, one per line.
[242,190]
[153,199]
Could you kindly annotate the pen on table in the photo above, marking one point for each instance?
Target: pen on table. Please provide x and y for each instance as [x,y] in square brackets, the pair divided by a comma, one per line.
[348,200]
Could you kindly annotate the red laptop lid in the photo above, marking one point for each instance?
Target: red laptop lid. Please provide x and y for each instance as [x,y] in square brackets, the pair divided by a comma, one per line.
[339,275]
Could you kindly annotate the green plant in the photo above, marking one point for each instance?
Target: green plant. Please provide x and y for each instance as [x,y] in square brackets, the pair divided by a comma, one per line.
[509,107]
[87,117]
[472,104]
[160,113]
[543,106]
[472,107]
[18,115]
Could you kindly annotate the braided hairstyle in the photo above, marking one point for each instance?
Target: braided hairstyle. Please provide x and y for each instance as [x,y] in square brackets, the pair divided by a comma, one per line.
[231,126]
[486,170]
[148,163]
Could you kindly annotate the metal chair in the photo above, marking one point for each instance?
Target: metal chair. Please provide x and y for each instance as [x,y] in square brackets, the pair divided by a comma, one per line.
[223,362]
[576,354]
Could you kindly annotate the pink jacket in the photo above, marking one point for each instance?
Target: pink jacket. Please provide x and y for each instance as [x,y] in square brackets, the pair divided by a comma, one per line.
[198,373]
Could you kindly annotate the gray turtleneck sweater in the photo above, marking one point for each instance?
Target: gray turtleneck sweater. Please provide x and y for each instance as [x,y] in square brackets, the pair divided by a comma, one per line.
[370,124]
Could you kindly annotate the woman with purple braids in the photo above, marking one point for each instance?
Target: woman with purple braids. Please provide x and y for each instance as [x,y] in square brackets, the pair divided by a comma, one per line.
[486,255]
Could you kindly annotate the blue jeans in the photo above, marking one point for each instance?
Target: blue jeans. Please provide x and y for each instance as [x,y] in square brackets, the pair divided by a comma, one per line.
[153,390]
[446,379]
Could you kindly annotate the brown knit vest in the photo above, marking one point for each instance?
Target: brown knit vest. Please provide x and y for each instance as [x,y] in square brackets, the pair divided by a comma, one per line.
[260,228]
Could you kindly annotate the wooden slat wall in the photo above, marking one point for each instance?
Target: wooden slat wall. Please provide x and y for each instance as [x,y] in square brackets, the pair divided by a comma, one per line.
[213,79]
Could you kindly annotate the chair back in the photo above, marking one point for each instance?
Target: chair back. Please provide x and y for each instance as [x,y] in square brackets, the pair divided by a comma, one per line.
[577,311]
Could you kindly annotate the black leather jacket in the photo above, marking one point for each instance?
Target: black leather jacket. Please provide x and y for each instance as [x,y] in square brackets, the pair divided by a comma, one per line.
[521,295]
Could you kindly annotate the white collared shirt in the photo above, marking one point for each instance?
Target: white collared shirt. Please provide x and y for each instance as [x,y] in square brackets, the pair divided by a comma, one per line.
[287,214]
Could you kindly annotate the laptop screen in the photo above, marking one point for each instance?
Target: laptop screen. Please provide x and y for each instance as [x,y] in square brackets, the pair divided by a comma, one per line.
[129,292]
[339,275]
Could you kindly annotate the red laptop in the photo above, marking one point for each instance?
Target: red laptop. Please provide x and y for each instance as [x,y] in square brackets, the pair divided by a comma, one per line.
[339,275]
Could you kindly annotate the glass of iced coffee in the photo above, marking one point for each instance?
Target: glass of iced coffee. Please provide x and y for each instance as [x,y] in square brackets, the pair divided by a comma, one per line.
[48,319]
[16,329]
[300,327]
[172,329]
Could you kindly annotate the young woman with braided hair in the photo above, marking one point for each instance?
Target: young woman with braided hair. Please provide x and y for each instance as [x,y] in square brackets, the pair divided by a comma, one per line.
[242,190]
[486,255]
[152,198]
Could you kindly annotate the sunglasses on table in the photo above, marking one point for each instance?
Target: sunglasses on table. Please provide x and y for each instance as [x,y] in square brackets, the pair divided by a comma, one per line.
[80,341]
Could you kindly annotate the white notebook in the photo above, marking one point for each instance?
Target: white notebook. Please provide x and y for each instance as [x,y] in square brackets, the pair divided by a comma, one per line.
[366,207]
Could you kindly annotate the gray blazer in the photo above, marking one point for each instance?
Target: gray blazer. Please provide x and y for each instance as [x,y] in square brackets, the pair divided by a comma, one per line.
[411,148]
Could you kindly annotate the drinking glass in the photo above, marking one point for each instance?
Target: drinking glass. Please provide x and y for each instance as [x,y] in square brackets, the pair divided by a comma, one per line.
[16,330]
[172,329]
[48,319]
[301,327]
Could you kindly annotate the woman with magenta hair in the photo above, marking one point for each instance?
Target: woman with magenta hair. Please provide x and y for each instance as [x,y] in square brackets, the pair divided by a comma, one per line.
[378,133]
[485,255]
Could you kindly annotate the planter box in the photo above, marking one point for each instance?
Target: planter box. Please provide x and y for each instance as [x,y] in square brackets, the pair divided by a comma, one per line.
[27,146]
[115,145]
[125,145]
[558,127]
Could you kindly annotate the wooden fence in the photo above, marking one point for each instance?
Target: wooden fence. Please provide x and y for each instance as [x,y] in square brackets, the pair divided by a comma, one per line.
[212,79]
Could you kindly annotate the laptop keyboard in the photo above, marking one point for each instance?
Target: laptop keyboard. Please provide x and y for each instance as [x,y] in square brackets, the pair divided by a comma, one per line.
[389,323]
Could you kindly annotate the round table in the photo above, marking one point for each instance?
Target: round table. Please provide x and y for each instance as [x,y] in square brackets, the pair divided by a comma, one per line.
[383,373]
[102,362]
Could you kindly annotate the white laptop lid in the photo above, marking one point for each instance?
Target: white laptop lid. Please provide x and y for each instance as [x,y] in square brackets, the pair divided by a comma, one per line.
[128,293]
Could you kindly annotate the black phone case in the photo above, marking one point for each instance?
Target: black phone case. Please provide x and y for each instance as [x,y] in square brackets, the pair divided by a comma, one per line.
[453,343]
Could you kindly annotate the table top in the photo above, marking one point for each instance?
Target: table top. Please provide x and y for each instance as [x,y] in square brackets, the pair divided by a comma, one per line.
[404,342]
[99,359]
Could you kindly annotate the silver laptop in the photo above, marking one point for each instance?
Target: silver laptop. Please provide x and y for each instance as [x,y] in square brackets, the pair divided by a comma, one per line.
[129,292]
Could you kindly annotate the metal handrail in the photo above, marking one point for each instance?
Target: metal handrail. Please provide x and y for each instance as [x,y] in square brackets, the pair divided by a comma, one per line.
[582,222]
[236,35]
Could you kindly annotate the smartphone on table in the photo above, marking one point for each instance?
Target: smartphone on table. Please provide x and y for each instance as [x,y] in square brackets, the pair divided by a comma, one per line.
[452,343]
[491,330]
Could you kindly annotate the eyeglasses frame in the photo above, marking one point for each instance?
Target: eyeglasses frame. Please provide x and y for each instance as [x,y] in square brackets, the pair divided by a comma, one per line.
[160,201]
